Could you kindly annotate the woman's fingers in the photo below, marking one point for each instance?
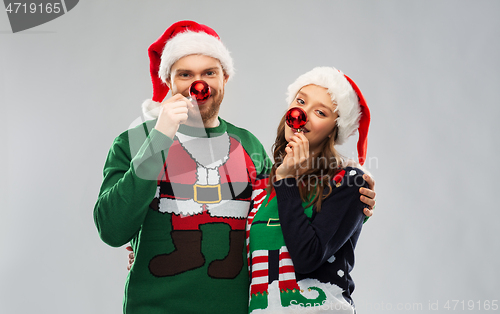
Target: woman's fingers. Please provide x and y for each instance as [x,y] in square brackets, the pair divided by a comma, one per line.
[302,147]
[296,158]
[131,257]
[305,147]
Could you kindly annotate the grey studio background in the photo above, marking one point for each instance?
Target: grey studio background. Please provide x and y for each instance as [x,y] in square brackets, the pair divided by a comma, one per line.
[428,69]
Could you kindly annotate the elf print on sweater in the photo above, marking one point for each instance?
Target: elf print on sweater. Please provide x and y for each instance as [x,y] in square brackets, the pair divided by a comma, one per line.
[276,286]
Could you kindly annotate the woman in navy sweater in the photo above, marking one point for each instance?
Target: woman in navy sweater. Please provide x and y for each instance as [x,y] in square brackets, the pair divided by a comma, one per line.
[307,215]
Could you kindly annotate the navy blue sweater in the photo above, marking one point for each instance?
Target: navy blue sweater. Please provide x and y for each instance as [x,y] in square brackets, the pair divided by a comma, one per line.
[322,247]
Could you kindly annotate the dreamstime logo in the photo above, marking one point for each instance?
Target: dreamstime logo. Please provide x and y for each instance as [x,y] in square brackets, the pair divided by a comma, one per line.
[28,14]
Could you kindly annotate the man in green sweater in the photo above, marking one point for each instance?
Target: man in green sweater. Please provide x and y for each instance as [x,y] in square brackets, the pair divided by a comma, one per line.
[178,187]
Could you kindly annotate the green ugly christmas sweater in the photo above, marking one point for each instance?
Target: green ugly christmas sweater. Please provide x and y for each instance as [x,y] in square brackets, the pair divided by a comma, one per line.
[182,204]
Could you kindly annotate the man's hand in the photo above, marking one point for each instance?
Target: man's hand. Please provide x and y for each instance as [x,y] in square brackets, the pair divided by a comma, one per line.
[368,195]
[174,112]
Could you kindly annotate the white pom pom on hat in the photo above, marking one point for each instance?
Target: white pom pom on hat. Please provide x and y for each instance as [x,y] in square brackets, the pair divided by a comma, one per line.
[181,39]
[351,104]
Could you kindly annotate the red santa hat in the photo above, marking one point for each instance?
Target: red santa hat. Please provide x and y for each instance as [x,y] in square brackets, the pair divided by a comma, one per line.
[182,39]
[352,109]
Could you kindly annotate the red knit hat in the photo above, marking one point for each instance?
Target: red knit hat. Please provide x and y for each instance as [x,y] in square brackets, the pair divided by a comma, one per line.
[352,109]
[182,39]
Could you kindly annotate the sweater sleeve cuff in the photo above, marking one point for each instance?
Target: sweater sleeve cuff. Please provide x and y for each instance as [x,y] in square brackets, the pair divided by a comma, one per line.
[287,187]
[149,160]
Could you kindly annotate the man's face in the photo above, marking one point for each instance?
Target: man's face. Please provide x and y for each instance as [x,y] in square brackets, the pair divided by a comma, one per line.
[199,67]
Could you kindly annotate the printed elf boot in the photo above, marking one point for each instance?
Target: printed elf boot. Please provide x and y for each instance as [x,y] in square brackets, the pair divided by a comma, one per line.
[258,301]
[287,296]
[231,265]
[186,256]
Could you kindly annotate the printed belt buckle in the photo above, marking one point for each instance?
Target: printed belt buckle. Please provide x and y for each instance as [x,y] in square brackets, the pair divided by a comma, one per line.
[273,222]
[205,192]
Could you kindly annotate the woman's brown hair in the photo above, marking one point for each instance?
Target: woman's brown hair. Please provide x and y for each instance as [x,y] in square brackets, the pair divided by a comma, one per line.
[320,170]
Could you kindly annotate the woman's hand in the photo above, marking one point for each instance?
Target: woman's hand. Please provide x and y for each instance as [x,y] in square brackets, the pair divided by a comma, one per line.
[296,158]
[131,258]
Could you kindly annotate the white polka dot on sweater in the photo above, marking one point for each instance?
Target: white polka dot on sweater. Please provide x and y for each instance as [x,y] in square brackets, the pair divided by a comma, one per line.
[352,172]
[331,259]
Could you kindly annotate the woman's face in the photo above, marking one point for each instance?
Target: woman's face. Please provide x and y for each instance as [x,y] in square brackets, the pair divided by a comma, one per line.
[321,115]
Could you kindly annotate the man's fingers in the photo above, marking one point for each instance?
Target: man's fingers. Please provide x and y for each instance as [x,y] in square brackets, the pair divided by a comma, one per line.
[368,193]
[368,212]
[178,113]
[176,105]
[370,181]
[181,112]
[175,98]
[368,201]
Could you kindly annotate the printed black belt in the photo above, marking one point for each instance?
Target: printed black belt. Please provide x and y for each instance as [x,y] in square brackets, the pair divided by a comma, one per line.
[207,194]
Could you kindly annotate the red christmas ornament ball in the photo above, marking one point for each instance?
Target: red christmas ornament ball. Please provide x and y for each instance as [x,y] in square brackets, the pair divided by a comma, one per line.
[200,91]
[296,118]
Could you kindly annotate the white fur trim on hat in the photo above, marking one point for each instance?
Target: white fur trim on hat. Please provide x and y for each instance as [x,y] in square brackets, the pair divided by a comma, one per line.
[151,109]
[194,43]
[341,93]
